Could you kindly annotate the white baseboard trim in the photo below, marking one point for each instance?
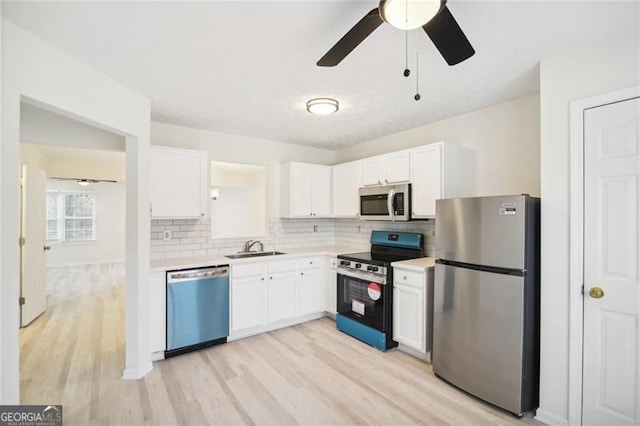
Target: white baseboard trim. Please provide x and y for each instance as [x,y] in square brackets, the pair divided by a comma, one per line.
[91,262]
[550,418]
[415,353]
[157,356]
[136,373]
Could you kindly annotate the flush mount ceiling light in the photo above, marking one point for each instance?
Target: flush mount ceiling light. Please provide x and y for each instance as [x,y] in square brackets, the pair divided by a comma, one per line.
[409,14]
[322,106]
[83,182]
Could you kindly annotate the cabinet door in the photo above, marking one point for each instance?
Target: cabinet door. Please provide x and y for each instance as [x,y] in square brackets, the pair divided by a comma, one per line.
[346,183]
[397,168]
[426,180]
[331,286]
[281,296]
[310,292]
[301,189]
[321,191]
[247,302]
[408,317]
[372,171]
[178,183]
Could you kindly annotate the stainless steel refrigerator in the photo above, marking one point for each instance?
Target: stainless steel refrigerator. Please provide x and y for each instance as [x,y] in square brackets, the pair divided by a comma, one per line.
[486,298]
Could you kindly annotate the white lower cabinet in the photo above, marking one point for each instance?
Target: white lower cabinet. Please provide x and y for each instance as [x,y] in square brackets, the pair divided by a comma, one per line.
[331,286]
[270,295]
[247,303]
[281,296]
[413,310]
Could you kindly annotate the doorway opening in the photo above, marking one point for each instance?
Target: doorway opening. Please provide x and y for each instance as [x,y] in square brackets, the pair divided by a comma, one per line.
[72,339]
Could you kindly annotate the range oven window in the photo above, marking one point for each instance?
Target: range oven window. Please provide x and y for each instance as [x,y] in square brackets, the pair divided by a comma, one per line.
[363,301]
[374,205]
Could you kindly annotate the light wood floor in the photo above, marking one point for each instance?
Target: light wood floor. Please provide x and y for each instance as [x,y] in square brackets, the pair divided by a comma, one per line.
[306,374]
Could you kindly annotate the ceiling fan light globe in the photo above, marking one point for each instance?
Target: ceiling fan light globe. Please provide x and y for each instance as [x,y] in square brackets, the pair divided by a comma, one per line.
[409,14]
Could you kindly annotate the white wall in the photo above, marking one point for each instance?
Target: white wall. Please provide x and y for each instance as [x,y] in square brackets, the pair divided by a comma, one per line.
[34,70]
[505,138]
[564,78]
[38,125]
[110,227]
[239,149]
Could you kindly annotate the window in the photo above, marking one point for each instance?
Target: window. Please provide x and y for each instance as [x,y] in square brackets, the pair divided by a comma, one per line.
[70,216]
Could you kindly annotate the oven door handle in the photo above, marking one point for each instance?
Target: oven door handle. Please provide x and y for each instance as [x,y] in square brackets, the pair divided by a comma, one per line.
[364,276]
[390,203]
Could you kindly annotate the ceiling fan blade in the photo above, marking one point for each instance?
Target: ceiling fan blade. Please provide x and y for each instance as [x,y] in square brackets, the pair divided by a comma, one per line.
[351,40]
[445,33]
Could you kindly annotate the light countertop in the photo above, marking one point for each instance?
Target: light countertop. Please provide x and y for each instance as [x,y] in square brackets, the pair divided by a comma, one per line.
[420,264]
[220,259]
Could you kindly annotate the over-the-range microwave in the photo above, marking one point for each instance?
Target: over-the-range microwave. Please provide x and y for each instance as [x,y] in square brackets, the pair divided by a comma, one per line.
[387,202]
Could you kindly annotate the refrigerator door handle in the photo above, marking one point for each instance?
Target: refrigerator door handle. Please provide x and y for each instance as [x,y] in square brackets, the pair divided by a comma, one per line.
[390,197]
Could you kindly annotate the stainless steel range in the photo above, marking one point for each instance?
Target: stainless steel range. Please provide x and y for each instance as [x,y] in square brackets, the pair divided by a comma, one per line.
[365,290]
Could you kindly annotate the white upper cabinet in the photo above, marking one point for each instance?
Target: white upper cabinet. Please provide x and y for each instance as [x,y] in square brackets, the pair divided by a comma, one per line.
[178,182]
[439,170]
[305,190]
[347,179]
[386,169]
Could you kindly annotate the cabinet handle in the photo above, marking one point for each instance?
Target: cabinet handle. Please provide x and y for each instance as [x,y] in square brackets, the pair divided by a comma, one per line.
[386,181]
[301,273]
[262,279]
[202,214]
[270,278]
[379,181]
[404,278]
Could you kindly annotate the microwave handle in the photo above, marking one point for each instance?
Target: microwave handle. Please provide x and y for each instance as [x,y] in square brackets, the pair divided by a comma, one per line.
[390,202]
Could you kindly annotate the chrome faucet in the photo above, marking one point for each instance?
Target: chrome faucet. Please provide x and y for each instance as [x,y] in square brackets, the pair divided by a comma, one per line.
[249,244]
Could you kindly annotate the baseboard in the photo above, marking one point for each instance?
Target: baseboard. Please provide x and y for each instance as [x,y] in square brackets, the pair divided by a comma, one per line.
[157,356]
[91,262]
[136,373]
[415,353]
[550,418]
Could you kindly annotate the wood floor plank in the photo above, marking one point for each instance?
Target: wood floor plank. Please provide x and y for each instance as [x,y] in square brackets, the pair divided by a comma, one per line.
[310,373]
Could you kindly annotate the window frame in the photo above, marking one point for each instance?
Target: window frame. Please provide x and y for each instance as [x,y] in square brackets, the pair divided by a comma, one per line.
[61,217]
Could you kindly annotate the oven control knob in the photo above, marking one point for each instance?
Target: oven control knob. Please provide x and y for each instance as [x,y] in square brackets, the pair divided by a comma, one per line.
[345,263]
[372,268]
[358,265]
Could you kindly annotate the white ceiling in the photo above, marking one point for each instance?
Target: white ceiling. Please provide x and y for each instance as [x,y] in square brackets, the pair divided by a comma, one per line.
[247,68]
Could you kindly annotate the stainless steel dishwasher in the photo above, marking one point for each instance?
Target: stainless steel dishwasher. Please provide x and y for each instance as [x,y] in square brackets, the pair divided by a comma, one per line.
[197,309]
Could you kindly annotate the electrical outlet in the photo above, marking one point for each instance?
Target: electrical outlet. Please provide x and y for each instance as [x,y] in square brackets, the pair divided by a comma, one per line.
[315,228]
[167,235]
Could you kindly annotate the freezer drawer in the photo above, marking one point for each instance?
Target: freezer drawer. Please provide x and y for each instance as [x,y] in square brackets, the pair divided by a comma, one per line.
[479,333]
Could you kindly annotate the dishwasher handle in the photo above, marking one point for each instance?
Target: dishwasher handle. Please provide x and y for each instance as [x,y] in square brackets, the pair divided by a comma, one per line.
[198,274]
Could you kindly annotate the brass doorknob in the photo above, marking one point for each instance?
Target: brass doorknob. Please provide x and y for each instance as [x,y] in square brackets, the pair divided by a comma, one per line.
[596,293]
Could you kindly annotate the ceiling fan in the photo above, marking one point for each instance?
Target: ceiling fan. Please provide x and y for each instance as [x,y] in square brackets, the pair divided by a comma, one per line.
[85,182]
[432,15]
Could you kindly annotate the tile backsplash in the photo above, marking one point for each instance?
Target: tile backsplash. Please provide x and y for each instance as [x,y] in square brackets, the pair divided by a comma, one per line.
[193,237]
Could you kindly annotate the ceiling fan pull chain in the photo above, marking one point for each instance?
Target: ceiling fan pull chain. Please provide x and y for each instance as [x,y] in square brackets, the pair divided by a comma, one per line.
[406,47]
[417,96]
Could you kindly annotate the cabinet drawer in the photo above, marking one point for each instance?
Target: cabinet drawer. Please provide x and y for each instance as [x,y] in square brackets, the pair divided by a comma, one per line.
[310,262]
[409,278]
[282,266]
[247,270]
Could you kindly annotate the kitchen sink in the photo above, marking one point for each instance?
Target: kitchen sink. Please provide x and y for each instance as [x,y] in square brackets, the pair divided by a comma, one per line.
[253,254]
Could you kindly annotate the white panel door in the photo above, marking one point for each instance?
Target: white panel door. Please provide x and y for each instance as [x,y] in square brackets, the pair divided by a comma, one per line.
[33,187]
[611,383]
[372,171]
